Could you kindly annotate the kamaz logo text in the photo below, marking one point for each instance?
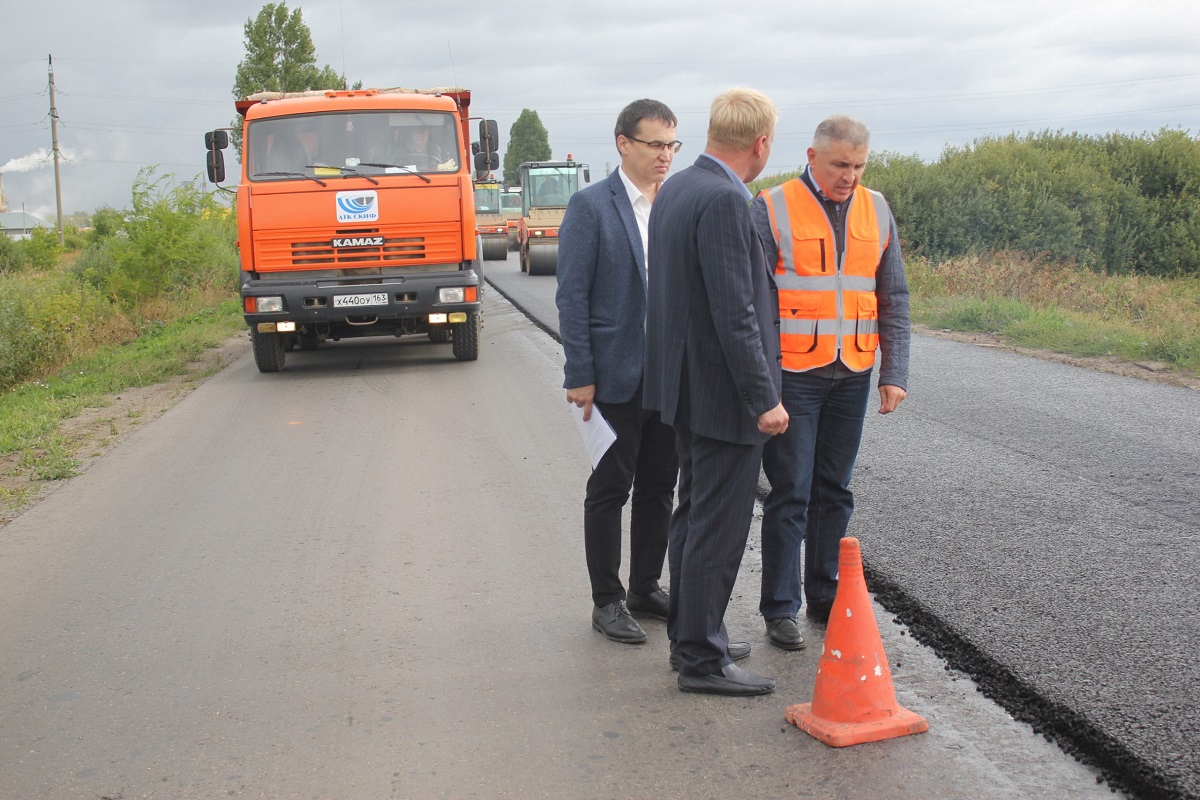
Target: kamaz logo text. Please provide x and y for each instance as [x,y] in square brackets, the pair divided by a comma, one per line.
[357,207]
[359,241]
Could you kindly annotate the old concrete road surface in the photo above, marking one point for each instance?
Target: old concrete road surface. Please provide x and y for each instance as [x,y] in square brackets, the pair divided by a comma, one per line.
[363,578]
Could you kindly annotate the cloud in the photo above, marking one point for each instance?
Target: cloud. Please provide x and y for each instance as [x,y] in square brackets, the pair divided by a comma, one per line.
[139,81]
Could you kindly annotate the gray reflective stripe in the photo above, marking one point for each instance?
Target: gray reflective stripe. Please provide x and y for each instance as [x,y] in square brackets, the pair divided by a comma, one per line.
[806,283]
[883,219]
[808,327]
[782,228]
[827,327]
[790,281]
[867,326]
[858,283]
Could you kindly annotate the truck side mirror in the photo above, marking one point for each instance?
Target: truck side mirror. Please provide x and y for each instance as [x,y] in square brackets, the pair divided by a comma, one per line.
[489,136]
[487,161]
[587,175]
[216,166]
[216,140]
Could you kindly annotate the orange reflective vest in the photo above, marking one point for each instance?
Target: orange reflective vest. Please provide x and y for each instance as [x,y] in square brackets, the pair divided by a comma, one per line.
[827,304]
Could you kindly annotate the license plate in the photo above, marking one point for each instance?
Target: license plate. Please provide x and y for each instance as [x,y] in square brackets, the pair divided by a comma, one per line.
[360,300]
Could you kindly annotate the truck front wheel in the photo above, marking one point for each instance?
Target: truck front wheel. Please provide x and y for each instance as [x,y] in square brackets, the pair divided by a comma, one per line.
[466,338]
[269,351]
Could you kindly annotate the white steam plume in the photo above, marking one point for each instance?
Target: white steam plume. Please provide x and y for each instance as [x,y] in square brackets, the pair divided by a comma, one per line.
[42,157]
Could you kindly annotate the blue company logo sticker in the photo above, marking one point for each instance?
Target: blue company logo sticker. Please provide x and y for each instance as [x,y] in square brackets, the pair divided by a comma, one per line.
[357,206]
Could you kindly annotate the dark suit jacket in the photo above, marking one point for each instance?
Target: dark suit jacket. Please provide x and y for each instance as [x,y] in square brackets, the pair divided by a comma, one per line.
[712,339]
[601,293]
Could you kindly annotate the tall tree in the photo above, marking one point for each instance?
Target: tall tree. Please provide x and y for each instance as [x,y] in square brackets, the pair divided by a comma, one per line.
[527,141]
[280,57]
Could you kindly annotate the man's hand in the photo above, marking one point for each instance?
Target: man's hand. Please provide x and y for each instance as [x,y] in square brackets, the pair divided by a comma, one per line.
[773,422]
[583,397]
[889,398]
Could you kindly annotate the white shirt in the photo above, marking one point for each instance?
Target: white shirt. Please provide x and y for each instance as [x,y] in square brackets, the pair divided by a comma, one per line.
[641,212]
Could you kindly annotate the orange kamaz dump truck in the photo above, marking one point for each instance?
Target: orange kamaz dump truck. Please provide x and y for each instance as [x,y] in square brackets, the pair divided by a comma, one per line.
[356,217]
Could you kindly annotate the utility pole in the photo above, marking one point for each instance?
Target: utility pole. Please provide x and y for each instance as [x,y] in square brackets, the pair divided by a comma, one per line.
[54,145]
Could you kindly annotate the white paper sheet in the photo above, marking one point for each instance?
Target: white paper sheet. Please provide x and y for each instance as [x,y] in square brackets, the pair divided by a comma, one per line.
[597,434]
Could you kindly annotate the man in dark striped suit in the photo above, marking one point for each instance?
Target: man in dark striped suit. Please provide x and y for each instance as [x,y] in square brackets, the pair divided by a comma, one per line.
[712,371]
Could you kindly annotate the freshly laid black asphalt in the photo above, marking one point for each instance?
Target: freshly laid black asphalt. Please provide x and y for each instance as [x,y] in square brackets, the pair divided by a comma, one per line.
[1038,525]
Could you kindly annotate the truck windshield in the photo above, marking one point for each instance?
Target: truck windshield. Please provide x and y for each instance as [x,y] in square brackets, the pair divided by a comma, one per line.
[487,198]
[344,144]
[552,186]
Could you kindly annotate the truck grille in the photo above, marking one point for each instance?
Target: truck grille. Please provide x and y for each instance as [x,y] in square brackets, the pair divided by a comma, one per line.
[422,247]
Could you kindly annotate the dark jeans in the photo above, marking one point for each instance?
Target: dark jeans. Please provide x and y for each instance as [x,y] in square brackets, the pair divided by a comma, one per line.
[642,459]
[809,468]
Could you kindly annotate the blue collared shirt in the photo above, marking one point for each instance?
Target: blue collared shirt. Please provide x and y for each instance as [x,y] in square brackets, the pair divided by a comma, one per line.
[733,177]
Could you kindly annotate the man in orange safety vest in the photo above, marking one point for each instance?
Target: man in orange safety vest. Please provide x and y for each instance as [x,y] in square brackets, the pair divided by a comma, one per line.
[843,296]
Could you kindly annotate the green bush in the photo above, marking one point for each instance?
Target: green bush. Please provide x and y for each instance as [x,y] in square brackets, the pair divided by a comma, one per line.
[1116,204]
[172,250]
[13,257]
[174,237]
[43,321]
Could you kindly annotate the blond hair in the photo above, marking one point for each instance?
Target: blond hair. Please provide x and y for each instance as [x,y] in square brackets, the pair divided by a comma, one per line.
[739,116]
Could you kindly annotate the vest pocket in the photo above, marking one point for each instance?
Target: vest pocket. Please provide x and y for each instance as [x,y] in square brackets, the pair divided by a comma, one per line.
[866,325]
[799,329]
[808,250]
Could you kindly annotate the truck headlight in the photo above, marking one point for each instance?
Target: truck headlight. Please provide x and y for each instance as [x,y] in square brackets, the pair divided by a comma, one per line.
[450,294]
[268,304]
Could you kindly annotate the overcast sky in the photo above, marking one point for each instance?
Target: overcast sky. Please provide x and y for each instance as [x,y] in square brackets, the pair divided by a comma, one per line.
[139,81]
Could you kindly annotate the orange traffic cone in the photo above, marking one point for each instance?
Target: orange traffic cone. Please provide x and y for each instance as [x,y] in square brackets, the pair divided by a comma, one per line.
[854,700]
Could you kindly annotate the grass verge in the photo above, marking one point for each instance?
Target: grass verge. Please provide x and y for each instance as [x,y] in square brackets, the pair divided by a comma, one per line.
[1042,306]
[33,446]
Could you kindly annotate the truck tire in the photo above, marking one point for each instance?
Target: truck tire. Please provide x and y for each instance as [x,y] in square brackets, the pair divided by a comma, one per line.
[269,351]
[308,341]
[466,338]
[439,334]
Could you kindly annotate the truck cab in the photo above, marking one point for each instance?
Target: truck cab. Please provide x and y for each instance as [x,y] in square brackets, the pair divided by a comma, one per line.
[356,218]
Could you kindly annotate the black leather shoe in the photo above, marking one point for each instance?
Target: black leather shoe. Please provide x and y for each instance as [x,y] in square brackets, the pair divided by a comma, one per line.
[653,605]
[614,621]
[785,633]
[737,651]
[731,680]
[818,614]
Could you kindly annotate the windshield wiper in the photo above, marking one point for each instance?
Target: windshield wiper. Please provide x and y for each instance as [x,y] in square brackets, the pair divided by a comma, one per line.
[409,170]
[287,175]
[343,170]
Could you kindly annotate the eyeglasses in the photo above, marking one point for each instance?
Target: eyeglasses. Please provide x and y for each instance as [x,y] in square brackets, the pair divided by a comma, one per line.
[657,145]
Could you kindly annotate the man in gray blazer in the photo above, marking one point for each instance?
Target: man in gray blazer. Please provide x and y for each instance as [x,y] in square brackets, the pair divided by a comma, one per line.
[602,320]
[712,371]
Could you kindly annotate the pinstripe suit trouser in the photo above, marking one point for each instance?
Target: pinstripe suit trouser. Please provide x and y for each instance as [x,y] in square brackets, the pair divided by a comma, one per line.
[706,541]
